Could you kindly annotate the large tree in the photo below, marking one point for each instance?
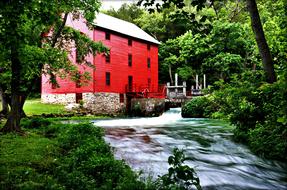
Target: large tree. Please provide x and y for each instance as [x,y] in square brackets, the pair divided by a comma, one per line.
[23,28]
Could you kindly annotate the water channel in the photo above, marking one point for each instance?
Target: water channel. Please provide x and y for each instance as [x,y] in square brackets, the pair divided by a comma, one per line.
[146,143]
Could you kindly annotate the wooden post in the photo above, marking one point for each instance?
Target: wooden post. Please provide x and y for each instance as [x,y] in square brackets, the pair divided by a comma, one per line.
[167,89]
[196,82]
[204,81]
[176,83]
[184,88]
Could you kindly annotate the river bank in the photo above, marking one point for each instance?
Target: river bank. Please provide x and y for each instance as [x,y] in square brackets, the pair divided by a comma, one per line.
[146,143]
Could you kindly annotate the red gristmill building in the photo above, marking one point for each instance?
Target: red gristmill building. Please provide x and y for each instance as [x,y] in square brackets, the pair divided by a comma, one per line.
[131,69]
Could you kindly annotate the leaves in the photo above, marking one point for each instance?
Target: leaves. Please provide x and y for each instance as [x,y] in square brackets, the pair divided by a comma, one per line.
[179,176]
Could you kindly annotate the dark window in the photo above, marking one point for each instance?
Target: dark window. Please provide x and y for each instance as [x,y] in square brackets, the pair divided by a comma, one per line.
[148,62]
[122,98]
[130,60]
[149,82]
[54,85]
[108,78]
[53,81]
[78,83]
[130,83]
[79,97]
[108,36]
[108,58]
[148,47]
[130,42]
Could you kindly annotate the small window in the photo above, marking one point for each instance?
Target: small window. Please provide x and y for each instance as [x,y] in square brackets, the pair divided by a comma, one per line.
[148,47]
[54,86]
[122,98]
[149,82]
[148,62]
[79,97]
[108,36]
[108,78]
[53,81]
[78,83]
[130,42]
[130,62]
[108,58]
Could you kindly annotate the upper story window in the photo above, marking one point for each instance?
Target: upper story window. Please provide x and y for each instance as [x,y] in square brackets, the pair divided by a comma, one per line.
[108,58]
[54,86]
[53,81]
[78,83]
[148,62]
[108,78]
[130,60]
[108,36]
[130,42]
[149,82]
[148,47]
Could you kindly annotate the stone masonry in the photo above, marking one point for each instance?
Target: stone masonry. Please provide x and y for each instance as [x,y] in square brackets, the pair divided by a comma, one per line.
[58,98]
[98,103]
[103,103]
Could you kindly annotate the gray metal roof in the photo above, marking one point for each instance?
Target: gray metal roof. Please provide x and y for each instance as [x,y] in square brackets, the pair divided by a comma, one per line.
[123,27]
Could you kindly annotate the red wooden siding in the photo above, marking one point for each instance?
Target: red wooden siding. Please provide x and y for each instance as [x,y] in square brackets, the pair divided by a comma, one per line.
[117,67]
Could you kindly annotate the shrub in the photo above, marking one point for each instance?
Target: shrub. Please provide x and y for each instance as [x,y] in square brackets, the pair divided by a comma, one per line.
[179,176]
[199,107]
[269,140]
[259,112]
[88,162]
[36,122]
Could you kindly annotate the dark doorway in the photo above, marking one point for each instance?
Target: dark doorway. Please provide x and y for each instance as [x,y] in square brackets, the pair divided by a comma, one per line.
[79,97]
[130,83]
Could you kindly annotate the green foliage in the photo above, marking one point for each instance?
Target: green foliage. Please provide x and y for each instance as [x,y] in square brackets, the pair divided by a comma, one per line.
[226,50]
[179,176]
[35,40]
[61,156]
[258,110]
[269,140]
[25,162]
[35,123]
[199,107]
[127,12]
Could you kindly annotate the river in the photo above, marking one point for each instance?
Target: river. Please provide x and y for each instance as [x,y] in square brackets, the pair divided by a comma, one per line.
[146,143]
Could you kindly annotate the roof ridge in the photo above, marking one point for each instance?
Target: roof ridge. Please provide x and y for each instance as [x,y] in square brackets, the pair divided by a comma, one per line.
[124,27]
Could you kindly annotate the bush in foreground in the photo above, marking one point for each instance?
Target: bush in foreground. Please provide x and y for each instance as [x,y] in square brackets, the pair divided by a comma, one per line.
[60,156]
[199,107]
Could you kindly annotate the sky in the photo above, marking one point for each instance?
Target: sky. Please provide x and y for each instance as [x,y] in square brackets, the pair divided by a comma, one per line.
[116,4]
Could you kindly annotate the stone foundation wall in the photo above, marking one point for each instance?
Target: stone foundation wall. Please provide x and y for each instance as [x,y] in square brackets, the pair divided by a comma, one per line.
[58,98]
[147,107]
[103,103]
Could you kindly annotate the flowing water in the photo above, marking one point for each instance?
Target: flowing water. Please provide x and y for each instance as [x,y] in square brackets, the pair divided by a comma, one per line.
[146,144]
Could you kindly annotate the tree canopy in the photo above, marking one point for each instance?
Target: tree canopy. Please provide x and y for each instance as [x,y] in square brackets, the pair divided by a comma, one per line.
[26,48]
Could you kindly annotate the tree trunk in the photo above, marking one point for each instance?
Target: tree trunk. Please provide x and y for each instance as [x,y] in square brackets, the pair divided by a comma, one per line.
[14,116]
[170,74]
[4,103]
[261,41]
[17,100]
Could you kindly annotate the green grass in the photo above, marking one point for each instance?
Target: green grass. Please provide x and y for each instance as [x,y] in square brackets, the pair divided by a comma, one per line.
[35,107]
[23,158]
[61,156]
